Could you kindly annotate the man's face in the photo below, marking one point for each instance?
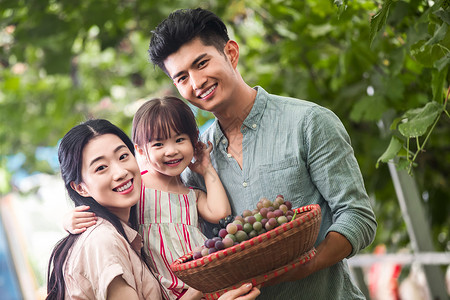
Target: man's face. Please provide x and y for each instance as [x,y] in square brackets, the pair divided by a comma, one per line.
[203,75]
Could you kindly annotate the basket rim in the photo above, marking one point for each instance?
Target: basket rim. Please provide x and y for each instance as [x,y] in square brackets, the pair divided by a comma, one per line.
[185,262]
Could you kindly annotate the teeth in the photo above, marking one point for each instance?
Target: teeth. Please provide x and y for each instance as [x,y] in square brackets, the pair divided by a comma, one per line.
[173,161]
[125,187]
[208,92]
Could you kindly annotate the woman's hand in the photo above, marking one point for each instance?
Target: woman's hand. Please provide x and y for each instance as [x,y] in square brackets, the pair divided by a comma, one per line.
[245,292]
[202,164]
[79,219]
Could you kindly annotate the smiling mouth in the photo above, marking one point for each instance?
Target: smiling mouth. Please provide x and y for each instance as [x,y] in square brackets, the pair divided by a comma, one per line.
[208,92]
[124,187]
[173,162]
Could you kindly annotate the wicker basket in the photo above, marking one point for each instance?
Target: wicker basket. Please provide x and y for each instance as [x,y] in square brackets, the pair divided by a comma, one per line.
[266,254]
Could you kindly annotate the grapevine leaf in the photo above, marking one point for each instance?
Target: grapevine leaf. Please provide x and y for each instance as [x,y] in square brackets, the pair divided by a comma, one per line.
[418,120]
[379,20]
[394,147]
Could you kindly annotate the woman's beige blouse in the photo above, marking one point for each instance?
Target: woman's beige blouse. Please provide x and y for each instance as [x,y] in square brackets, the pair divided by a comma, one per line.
[99,255]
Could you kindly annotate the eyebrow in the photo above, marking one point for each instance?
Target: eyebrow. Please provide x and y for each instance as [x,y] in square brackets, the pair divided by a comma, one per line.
[200,57]
[118,148]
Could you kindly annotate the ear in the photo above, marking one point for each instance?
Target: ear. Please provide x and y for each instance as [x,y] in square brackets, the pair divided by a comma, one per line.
[79,188]
[138,149]
[232,52]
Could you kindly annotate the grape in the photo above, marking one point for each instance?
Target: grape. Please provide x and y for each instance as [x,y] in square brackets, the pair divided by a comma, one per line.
[219,245]
[284,208]
[255,211]
[223,232]
[205,251]
[252,234]
[257,226]
[239,226]
[239,218]
[264,221]
[278,213]
[228,242]
[250,219]
[231,228]
[258,216]
[288,204]
[263,211]
[209,243]
[197,255]
[273,222]
[241,236]
[212,250]
[270,215]
[282,220]
[247,227]
[238,222]
[246,213]
[231,237]
[268,226]
[267,203]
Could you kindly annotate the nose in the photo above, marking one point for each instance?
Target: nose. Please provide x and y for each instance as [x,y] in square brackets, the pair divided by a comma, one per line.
[171,150]
[198,81]
[120,173]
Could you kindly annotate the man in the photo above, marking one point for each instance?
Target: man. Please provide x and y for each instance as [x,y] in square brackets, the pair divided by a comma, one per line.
[265,145]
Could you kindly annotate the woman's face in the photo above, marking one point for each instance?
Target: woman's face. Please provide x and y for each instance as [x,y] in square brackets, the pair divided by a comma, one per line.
[110,175]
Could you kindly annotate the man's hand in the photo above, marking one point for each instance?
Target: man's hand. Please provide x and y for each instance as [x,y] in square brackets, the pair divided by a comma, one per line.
[79,219]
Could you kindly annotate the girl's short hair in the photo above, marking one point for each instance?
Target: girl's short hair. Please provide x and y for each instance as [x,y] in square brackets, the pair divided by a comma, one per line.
[156,117]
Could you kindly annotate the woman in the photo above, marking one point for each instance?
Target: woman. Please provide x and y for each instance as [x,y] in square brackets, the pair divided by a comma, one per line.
[105,262]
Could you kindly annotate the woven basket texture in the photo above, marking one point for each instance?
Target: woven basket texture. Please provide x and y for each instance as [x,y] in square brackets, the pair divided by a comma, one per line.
[263,279]
[252,258]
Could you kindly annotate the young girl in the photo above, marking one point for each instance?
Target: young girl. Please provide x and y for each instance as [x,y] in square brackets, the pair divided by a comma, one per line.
[166,136]
[105,262]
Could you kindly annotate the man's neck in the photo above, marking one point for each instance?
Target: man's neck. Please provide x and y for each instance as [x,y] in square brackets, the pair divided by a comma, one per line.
[232,118]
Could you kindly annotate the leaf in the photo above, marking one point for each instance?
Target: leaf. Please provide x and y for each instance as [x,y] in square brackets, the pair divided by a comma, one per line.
[418,120]
[379,20]
[444,15]
[438,82]
[438,36]
[394,147]
[442,63]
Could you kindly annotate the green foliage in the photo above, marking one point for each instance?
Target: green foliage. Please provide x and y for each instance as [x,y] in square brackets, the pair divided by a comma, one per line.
[372,63]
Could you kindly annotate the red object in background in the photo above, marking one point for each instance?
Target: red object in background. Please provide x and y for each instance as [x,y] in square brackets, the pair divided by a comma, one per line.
[383,278]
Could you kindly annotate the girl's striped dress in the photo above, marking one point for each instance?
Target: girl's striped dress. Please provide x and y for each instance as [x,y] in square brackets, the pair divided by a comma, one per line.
[169,226]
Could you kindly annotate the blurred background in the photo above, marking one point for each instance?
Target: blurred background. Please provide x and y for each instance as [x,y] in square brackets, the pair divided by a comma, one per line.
[381,66]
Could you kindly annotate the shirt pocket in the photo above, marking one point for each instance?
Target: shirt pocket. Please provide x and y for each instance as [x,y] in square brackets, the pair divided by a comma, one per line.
[283,177]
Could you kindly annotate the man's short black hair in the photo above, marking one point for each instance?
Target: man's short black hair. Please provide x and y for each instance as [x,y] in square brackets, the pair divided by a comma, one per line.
[181,27]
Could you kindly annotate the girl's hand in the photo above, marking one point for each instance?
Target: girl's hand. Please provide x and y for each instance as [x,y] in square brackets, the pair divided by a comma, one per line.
[245,292]
[78,220]
[202,162]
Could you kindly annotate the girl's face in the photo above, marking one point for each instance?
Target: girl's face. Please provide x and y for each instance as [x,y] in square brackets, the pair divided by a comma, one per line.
[110,175]
[171,156]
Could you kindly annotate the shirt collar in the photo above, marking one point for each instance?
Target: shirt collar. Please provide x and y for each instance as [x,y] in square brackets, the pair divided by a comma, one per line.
[134,237]
[253,118]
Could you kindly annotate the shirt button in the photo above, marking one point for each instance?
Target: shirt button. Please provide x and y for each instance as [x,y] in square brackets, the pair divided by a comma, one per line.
[229,155]
[244,184]
[224,142]
[254,126]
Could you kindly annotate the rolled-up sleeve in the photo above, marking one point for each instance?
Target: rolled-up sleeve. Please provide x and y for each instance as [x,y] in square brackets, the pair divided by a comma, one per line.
[335,172]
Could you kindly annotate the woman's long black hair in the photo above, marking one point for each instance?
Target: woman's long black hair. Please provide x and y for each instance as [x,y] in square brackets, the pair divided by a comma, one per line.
[70,159]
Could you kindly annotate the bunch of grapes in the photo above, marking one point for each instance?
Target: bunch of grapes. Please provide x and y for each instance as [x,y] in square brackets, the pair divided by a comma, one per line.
[232,230]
